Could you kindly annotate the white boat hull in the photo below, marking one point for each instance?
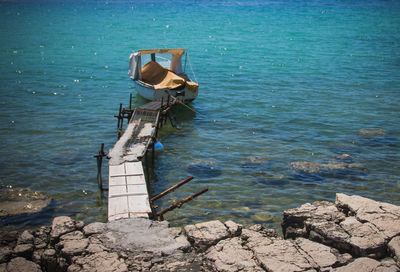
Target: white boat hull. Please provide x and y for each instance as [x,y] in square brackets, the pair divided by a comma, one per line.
[150,93]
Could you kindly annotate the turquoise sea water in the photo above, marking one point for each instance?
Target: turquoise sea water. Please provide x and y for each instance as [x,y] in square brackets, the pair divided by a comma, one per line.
[285,81]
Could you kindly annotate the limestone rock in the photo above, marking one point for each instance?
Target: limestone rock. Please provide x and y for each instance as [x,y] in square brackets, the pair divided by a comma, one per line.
[233,228]
[94,228]
[295,221]
[204,235]
[61,225]
[281,255]
[365,239]
[41,237]
[360,264]
[25,238]
[24,250]
[229,255]
[380,214]
[100,262]
[20,264]
[75,235]
[74,247]
[5,254]
[354,224]
[319,255]
[394,248]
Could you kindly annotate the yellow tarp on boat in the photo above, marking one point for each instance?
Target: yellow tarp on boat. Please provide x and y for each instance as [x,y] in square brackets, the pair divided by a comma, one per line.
[161,78]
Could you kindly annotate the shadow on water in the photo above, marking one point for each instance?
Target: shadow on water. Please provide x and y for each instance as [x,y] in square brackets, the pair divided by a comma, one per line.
[378,141]
[204,170]
[69,158]
[276,182]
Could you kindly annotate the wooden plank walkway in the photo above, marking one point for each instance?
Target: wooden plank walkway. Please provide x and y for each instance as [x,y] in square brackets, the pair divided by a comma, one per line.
[128,195]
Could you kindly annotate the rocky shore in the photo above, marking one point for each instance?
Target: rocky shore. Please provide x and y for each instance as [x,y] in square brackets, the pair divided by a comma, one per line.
[352,234]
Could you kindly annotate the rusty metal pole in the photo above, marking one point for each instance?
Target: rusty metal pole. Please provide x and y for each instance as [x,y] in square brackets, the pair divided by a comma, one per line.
[176,186]
[180,203]
[119,126]
[99,157]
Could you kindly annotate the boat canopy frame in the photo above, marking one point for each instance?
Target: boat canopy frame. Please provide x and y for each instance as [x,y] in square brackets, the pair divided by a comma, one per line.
[135,61]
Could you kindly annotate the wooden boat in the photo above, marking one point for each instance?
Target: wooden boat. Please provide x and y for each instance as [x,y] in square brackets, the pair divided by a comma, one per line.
[158,73]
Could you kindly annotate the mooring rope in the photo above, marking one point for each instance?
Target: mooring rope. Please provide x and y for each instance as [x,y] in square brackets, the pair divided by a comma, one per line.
[205,116]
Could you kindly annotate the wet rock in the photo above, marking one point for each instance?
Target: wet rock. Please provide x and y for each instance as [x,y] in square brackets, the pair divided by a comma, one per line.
[94,228]
[61,225]
[49,260]
[204,235]
[394,248]
[23,250]
[15,201]
[20,264]
[229,255]
[204,170]
[102,261]
[5,254]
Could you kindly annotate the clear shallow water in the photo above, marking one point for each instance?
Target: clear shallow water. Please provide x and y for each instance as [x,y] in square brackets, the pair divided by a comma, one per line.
[284,81]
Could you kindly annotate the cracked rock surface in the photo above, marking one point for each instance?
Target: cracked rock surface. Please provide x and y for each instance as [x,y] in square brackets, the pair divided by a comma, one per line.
[352,234]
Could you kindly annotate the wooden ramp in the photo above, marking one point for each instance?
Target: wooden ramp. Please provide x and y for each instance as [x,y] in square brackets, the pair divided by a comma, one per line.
[127,196]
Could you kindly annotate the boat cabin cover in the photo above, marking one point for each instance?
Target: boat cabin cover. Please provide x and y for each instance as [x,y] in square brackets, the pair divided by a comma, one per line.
[159,77]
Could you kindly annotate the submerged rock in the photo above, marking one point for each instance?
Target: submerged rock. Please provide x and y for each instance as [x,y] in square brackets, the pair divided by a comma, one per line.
[371,132]
[204,170]
[329,169]
[16,201]
[376,137]
[256,166]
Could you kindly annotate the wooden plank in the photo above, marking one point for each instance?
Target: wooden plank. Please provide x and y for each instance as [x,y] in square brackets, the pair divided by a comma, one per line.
[118,208]
[116,170]
[117,190]
[132,180]
[140,189]
[127,195]
[139,204]
[133,168]
[117,180]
